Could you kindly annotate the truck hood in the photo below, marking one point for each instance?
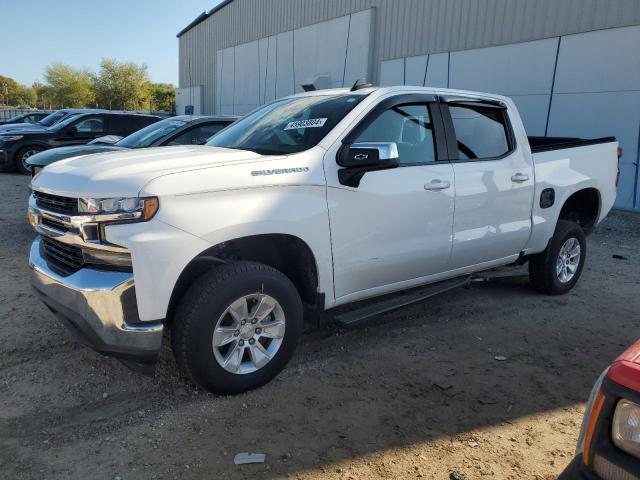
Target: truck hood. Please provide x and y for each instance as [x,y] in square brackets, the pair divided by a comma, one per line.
[124,173]
[53,155]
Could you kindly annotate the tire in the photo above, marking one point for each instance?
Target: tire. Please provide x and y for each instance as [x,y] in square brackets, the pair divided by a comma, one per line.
[545,273]
[207,307]
[22,155]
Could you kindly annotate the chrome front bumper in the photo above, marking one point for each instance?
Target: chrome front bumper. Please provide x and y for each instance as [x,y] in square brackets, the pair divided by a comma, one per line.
[100,308]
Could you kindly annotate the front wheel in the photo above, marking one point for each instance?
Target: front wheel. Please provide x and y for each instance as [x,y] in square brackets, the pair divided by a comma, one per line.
[23,155]
[556,270]
[236,327]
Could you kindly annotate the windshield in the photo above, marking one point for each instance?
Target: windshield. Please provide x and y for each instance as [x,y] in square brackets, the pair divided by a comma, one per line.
[148,135]
[61,124]
[17,118]
[286,126]
[52,118]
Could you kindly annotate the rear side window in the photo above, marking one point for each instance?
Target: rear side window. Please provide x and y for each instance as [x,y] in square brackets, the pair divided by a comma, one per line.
[481,132]
[121,125]
[141,122]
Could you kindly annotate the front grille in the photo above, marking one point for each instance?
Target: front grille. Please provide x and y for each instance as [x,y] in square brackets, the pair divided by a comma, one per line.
[56,203]
[51,223]
[66,258]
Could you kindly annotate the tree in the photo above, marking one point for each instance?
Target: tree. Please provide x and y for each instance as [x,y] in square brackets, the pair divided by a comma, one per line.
[16,94]
[122,85]
[25,97]
[163,96]
[68,86]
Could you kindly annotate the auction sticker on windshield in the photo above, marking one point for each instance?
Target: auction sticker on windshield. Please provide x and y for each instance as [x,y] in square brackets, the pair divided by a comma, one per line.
[308,123]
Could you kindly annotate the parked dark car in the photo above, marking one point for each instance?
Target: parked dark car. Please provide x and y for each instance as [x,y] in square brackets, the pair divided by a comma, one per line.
[180,130]
[16,146]
[48,121]
[609,441]
[28,117]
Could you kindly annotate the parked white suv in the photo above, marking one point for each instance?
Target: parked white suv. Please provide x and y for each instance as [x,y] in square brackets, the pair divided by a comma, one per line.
[310,202]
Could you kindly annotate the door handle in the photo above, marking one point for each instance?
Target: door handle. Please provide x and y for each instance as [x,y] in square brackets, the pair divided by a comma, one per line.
[437,185]
[520,177]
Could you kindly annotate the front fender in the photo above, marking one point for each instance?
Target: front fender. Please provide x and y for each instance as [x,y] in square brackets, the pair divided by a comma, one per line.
[297,210]
[159,253]
[187,225]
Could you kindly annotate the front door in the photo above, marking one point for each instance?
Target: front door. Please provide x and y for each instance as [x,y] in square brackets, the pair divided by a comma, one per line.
[494,184]
[395,227]
[81,131]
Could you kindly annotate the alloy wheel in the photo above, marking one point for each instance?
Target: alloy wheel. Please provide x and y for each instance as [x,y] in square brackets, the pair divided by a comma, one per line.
[568,260]
[249,333]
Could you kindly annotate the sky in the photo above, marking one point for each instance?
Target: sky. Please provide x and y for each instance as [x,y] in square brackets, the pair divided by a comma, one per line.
[35,33]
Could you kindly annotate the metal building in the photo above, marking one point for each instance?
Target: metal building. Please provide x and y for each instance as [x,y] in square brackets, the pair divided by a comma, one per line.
[571,66]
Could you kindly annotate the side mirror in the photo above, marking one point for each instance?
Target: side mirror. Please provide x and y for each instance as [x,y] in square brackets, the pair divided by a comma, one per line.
[359,158]
[71,131]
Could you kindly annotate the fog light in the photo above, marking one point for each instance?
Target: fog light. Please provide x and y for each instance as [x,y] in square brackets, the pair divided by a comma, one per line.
[100,257]
[626,427]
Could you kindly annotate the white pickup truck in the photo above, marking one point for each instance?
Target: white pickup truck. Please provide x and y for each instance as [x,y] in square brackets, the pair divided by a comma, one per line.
[310,202]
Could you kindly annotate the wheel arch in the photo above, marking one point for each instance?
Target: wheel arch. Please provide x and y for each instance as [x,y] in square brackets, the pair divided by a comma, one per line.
[31,143]
[582,207]
[287,253]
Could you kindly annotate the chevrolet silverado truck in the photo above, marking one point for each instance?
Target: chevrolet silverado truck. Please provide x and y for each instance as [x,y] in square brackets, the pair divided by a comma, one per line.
[308,203]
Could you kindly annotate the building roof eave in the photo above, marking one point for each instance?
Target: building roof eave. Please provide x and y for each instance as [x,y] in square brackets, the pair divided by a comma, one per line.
[203,16]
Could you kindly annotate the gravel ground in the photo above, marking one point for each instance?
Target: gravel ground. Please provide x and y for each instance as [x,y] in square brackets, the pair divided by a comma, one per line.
[414,393]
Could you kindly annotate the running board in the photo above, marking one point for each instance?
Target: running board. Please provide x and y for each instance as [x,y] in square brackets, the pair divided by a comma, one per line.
[352,317]
[489,275]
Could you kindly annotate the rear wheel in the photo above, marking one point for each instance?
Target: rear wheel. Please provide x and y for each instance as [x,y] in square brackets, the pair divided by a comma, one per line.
[556,270]
[237,326]
[23,155]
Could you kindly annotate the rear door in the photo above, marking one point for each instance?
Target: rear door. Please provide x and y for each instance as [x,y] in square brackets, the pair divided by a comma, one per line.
[393,229]
[494,182]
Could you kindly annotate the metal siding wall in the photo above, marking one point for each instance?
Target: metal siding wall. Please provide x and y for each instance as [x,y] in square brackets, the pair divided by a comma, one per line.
[403,28]
[597,93]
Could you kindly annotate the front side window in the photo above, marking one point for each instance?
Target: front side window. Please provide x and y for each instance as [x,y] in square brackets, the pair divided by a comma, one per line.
[409,127]
[481,132]
[290,125]
[90,125]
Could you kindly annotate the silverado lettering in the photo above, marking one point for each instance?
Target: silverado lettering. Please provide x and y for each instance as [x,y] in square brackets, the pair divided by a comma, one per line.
[279,171]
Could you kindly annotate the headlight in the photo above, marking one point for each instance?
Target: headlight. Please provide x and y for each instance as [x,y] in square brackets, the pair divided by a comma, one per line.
[146,207]
[626,427]
[11,138]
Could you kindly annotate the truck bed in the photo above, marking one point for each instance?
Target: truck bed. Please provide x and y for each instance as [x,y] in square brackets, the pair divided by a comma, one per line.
[545,144]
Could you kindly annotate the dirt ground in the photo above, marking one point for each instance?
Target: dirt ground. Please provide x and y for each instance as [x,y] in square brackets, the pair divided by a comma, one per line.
[414,394]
